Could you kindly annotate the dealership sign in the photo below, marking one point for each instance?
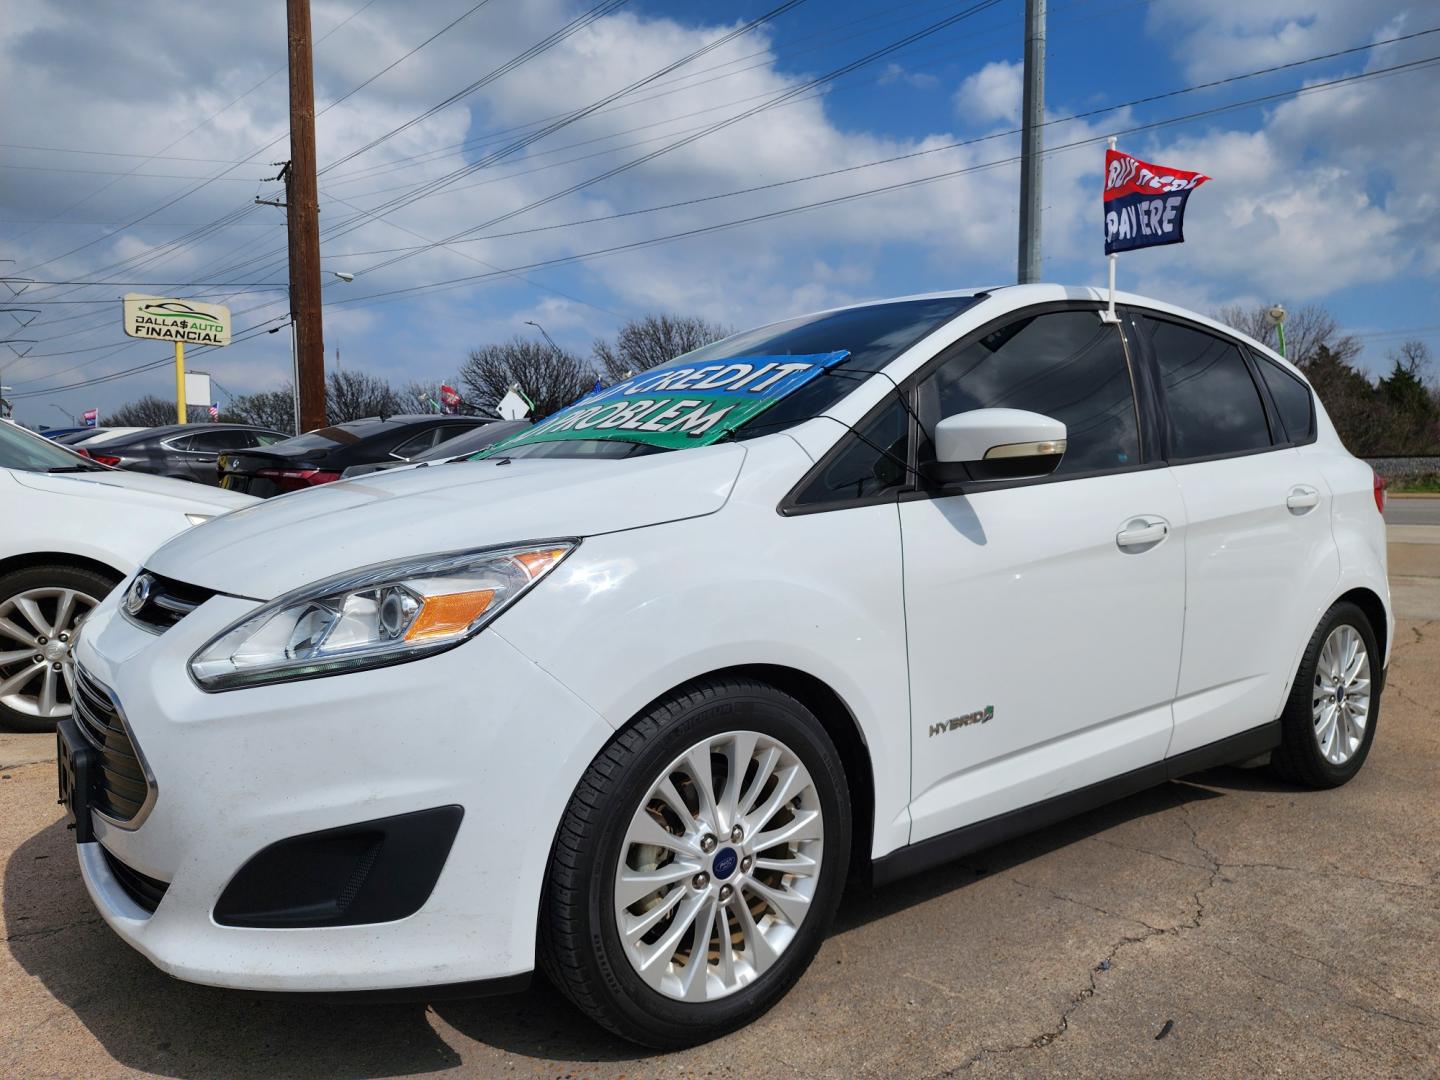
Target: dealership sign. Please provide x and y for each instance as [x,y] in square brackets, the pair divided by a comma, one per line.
[681,403]
[186,321]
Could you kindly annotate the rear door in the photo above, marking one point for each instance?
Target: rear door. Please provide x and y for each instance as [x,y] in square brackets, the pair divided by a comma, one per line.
[1260,560]
[1043,617]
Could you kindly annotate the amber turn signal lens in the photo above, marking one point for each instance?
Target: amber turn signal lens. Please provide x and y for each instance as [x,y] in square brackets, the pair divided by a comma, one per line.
[537,562]
[442,616]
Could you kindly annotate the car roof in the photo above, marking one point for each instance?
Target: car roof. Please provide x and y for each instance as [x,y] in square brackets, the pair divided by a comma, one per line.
[1019,296]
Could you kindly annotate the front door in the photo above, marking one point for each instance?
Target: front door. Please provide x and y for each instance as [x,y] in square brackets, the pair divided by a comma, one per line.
[1043,617]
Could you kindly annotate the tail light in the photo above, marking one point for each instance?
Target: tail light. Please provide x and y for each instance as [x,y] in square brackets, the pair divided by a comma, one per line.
[1380,493]
[296,479]
[105,459]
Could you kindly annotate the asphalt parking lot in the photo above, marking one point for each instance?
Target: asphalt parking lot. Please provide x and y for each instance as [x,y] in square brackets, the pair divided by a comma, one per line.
[1228,925]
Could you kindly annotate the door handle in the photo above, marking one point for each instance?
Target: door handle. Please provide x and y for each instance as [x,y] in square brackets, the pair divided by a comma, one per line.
[1142,532]
[1302,499]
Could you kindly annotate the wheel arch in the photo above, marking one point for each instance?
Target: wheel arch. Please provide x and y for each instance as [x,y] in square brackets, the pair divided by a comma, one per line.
[840,724]
[1368,601]
[51,558]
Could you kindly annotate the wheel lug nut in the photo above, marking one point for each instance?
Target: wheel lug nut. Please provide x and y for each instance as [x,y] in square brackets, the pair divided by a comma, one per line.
[64,637]
[707,843]
[746,863]
[700,880]
[39,659]
[737,834]
[726,892]
[40,640]
[56,665]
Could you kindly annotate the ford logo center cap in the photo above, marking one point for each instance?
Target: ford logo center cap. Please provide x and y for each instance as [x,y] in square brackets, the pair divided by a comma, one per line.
[725,863]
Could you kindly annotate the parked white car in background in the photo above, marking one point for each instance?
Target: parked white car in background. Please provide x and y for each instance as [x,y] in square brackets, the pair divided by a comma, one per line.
[630,697]
[69,530]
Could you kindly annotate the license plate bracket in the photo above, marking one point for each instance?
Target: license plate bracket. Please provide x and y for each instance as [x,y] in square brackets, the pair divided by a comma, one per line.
[78,764]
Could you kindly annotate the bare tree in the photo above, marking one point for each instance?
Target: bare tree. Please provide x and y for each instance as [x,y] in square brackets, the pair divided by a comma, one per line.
[551,378]
[654,339]
[148,411]
[273,409]
[1413,357]
[351,395]
[1307,329]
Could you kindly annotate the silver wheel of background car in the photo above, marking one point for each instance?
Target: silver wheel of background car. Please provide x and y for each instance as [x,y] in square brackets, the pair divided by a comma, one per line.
[719,866]
[1341,697]
[37,634]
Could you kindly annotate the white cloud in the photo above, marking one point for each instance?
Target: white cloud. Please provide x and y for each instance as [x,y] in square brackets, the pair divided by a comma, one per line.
[992,93]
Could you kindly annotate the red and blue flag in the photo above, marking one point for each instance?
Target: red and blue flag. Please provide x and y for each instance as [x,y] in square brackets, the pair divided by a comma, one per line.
[1144,203]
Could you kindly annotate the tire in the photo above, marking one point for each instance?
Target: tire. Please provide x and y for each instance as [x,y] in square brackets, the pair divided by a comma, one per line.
[581,945]
[1300,756]
[40,591]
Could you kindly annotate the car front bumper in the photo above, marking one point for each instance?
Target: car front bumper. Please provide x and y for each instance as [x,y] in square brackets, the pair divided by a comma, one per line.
[480,727]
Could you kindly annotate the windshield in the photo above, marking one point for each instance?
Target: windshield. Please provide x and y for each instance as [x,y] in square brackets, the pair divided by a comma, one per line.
[20,449]
[832,352]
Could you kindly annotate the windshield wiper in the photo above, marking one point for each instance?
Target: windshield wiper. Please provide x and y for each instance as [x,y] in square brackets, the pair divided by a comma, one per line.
[73,468]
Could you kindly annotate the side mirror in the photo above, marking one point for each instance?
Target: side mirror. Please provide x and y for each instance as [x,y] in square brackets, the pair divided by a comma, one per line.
[997,444]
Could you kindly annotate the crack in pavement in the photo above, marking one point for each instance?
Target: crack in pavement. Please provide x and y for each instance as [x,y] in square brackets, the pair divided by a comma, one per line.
[1368,1010]
[1107,964]
[51,931]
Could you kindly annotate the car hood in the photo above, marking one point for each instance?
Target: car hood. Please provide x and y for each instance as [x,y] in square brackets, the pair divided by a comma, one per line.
[294,539]
[130,489]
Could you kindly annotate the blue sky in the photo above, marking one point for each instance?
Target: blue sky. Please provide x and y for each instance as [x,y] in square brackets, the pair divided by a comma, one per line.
[1326,197]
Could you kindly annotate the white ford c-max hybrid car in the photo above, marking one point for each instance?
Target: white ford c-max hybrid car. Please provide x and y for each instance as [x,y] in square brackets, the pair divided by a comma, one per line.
[70,530]
[630,697]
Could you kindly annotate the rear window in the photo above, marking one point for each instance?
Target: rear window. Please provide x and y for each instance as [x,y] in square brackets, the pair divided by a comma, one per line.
[339,435]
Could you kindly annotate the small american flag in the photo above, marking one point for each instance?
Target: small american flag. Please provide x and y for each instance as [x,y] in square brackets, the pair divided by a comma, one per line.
[214,412]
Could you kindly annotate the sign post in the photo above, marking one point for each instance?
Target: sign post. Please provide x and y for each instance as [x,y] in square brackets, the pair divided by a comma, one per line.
[182,322]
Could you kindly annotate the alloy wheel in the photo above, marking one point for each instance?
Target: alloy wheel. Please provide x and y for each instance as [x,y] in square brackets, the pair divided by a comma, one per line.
[1340,701]
[37,638]
[719,866]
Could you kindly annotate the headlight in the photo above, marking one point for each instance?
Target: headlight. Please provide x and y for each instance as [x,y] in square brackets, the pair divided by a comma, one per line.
[378,615]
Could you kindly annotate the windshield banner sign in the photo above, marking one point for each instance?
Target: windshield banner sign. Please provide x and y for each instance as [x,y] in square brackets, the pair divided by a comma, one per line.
[679,403]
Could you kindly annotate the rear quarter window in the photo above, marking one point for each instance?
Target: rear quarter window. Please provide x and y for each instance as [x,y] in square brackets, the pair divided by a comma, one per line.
[1292,400]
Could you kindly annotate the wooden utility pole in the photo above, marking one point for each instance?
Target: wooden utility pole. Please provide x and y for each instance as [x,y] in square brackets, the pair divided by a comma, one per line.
[302,209]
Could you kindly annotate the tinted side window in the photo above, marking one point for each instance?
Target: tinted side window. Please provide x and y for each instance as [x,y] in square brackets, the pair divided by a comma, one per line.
[1068,365]
[211,441]
[1292,400]
[1213,403]
[871,461]
[418,444]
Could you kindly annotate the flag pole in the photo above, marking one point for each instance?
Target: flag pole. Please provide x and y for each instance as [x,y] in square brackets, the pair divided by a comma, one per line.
[1110,316]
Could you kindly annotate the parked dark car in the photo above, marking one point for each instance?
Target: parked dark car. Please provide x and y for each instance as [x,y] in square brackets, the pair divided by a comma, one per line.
[182,451]
[320,456]
[470,443]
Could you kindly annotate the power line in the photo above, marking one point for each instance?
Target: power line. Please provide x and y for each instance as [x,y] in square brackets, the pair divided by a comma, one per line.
[182,138]
[927,151]
[901,185]
[431,187]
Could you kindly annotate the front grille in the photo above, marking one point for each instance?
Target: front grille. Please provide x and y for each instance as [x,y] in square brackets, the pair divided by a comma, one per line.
[169,602]
[121,790]
[145,891]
